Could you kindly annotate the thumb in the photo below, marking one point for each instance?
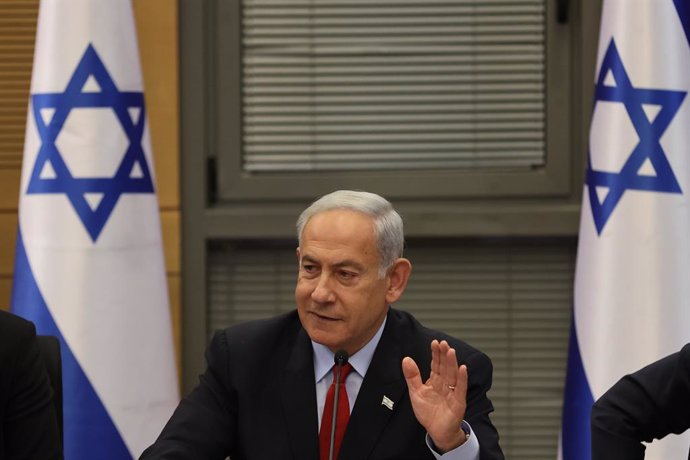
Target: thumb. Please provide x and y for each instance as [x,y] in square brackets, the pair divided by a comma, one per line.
[411,373]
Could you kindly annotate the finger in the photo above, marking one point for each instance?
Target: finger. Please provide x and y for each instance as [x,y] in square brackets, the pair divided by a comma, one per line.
[439,354]
[460,393]
[443,380]
[435,378]
[462,382]
[435,357]
[411,373]
[448,365]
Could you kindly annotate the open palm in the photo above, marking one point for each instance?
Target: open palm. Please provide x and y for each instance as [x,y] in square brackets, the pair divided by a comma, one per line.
[439,403]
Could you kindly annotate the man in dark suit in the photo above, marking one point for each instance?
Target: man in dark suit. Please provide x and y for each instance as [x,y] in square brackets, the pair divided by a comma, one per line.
[645,405]
[29,427]
[264,391]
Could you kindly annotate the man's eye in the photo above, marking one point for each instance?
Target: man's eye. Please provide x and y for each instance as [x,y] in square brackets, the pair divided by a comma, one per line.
[309,268]
[346,275]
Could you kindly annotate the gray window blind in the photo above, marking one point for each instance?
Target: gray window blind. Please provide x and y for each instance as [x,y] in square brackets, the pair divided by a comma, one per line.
[512,300]
[347,85]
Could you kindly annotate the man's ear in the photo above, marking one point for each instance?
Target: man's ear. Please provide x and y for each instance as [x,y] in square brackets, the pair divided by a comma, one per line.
[397,278]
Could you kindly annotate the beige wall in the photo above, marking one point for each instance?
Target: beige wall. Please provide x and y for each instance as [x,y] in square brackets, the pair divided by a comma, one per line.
[157,28]
[158,45]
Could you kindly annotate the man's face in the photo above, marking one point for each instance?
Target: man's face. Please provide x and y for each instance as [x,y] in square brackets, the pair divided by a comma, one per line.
[340,298]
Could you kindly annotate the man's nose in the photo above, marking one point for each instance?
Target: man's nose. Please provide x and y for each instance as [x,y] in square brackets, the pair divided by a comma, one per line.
[323,293]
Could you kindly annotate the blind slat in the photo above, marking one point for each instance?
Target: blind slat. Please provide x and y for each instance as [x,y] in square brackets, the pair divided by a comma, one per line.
[301,59]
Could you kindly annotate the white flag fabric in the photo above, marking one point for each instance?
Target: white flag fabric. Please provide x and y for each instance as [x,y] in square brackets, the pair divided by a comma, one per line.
[632,283]
[89,265]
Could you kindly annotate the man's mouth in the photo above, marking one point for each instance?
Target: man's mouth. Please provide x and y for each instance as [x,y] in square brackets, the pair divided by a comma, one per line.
[324,317]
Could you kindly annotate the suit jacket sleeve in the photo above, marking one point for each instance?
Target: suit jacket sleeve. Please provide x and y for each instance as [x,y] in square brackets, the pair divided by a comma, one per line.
[29,423]
[645,405]
[479,406]
[204,424]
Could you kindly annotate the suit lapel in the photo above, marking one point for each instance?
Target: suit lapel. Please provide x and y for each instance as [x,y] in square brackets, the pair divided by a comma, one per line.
[369,416]
[299,400]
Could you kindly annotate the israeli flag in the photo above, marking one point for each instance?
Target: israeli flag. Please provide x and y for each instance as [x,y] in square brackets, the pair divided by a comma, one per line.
[89,265]
[632,286]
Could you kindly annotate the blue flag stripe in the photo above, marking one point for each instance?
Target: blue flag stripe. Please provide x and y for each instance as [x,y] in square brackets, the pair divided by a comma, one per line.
[576,435]
[683,8]
[88,429]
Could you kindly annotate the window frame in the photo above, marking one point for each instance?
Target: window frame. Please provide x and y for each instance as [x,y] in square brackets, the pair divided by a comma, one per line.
[234,185]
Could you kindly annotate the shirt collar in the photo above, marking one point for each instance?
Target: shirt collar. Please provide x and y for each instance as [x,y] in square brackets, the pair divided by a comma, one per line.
[323,357]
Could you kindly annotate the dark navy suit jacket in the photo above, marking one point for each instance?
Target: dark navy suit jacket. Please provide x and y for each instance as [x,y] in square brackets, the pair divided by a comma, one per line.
[257,398]
[28,424]
[645,405]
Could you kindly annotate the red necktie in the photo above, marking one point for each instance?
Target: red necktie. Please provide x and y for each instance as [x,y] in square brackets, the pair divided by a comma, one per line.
[342,417]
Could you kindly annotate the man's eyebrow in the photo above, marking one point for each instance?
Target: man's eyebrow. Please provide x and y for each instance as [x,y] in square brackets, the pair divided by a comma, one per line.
[347,263]
[307,258]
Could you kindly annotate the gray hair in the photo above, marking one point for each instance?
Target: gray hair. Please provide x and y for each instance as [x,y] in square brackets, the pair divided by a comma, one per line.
[388,225]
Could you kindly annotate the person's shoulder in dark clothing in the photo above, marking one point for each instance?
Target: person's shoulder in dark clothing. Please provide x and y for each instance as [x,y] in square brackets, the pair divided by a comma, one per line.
[642,406]
[28,423]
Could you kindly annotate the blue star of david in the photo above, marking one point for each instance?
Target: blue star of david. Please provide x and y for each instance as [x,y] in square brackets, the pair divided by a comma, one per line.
[649,133]
[61,180]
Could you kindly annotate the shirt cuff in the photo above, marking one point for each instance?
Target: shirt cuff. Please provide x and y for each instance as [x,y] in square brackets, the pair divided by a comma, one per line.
[469,450]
